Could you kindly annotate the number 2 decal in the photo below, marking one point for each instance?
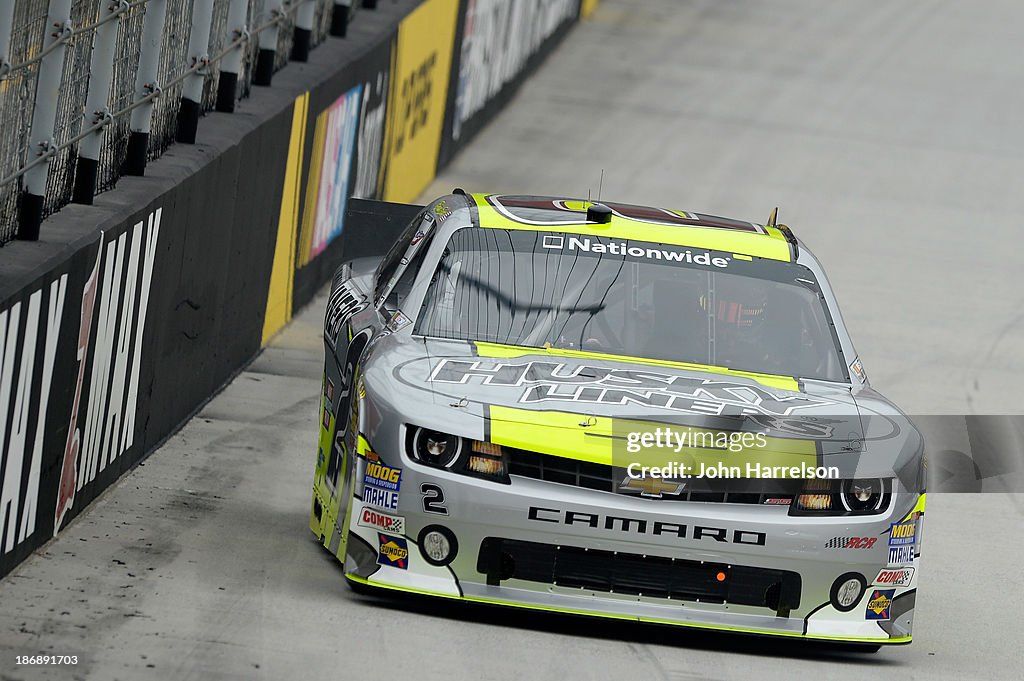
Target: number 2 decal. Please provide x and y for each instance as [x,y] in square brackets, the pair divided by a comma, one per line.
[433,499]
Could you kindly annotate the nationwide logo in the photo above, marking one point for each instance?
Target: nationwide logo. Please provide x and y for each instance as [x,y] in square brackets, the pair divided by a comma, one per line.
[586,245]
[900,555]
[895,577]
[880,604]
[901,534]
[652,488]
[850,542]
[394,551]
[391,524]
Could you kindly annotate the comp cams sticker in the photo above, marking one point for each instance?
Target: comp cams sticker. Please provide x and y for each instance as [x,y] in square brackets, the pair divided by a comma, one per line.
[383,522]
[895,576]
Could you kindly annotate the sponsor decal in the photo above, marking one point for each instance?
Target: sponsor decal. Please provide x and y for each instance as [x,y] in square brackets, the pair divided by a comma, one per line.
[778,501]
[901,534]
[901,555]
[327,416]
[381,498]
[383,476]
[857,367]
[441,211]
[370,138]
[651,487]
[28,346]
[342,305]
[381,485]
[498,38]
[851,542]
[329,390]
[555,382]
[384,522]
[641,525]
[419,93]
[334,143]
[117,295]
[895,576]
[394,551]
[398,322]
[879,604]
[594,245]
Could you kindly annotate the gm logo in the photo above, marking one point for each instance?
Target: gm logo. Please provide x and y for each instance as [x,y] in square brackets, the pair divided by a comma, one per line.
[553,241]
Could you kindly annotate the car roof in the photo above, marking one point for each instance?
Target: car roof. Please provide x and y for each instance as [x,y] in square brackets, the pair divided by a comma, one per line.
[628,221]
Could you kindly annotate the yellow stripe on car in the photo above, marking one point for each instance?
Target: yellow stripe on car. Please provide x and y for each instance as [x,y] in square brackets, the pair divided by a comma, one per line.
[771,245]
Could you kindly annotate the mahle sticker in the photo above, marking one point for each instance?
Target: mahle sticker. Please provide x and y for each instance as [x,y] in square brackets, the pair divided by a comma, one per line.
[901,555]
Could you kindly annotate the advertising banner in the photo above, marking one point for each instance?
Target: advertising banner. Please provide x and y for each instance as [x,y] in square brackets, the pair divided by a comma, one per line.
[500,43]
[419,92]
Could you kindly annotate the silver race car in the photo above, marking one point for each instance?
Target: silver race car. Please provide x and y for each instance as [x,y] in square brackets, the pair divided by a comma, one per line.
[618,411]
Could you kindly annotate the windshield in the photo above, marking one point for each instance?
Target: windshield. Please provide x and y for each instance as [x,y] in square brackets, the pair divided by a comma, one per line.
[632,298]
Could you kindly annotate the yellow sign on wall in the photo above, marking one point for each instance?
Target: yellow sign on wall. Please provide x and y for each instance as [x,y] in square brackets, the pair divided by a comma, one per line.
[419,93]
[586,7]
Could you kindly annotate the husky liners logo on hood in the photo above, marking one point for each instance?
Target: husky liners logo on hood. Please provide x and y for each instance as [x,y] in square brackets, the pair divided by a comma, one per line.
[554,382]
[642,526]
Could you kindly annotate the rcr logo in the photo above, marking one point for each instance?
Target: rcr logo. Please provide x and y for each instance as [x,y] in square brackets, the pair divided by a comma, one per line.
[586,245]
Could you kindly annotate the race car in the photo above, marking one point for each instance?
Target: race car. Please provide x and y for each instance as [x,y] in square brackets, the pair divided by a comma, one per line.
[619,411]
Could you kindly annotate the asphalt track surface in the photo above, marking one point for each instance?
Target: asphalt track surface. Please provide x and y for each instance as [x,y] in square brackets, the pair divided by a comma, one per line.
[888,132]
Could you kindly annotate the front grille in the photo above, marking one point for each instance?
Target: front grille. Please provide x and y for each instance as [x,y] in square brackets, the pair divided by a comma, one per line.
[605,478]
[638,575]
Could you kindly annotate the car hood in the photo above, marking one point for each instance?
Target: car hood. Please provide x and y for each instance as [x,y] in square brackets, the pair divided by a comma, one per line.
[536,397]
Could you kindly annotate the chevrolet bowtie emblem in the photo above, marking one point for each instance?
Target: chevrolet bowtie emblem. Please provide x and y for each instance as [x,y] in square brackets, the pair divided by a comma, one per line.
[652,487]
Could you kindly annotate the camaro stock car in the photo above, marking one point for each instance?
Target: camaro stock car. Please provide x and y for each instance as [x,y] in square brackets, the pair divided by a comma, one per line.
[485,383]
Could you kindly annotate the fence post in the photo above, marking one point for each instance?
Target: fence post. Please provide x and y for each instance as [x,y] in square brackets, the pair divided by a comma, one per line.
[231,65]
[145,84]
[6,22]
[339,18]
[198,54]
[303,35]
[101,73]
[51,69]
[264,71]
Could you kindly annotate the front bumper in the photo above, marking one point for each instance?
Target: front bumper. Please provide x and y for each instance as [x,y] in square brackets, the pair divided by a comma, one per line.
[548,546]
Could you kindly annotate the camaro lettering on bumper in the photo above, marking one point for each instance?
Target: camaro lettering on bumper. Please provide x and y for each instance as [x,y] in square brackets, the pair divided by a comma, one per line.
[643,526]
